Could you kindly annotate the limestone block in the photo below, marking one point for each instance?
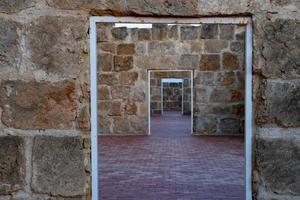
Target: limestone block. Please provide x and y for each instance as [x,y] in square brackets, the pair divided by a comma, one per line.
[128,78]
[120,92]
[9,44]
[209,31]
[226,78]
[190,61]
[126,49]
[159,31]
[230,61]
[220,95]
[278,161]
[14,6]
[58,166]
[105,62]
[226,31]
[189,32]
[123,63]
[230,126]
[50,41]
[144,34]
[215,46]
[108,47]
[210,62]
[104,92]
[206,124]
[12,164]
[38,105]
[119,33]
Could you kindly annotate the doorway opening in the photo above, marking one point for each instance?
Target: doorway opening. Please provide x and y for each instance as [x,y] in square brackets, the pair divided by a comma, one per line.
[120,62]
[170,102]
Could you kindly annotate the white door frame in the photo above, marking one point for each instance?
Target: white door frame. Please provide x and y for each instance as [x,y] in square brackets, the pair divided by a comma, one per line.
[170,80]
[149,97]
[172,20]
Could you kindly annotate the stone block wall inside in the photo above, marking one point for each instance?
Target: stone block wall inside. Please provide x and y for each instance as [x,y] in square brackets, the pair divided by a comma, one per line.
[214,52]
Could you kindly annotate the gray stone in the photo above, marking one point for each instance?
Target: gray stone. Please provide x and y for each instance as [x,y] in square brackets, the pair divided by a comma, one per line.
[144,34]
[205,78]
[226,31]
[167,48]
[230,126]
[210,62]
[237,46]
[173,32]
[220,95]
[189,33]
[278,161]
[215,46]
[12,164]
[57,166]
[121,125]
[159,31]
[201,95]
[50,41]
[282,102]
[119,33]
[140,49]
[14,6]
[123,63]
[226,78]
[206,125]
[190,61]
[105,62]
[9,43]
[209,31]
[230,61]
[44,105]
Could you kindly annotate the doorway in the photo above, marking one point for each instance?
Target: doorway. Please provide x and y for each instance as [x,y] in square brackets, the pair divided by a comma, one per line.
[170,101]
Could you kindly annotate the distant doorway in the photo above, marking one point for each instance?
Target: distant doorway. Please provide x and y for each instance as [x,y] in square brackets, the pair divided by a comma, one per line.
[170,101]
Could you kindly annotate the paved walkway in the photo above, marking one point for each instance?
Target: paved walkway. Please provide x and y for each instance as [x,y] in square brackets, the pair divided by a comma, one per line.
[171,164]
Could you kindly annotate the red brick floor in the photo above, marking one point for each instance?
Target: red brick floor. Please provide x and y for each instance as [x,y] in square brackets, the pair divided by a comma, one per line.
[171,164]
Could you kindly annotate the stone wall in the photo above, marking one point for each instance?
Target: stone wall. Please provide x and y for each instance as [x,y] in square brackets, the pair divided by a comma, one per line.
[172,92]
[43,45]
[214,52]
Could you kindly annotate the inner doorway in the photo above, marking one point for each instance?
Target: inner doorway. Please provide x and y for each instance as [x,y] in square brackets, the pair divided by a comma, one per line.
[170,102]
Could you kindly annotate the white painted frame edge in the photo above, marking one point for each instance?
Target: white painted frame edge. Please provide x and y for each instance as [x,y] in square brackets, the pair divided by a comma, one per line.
[248,82]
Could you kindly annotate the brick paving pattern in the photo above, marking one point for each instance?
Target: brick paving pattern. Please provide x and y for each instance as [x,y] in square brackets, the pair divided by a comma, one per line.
[171,164]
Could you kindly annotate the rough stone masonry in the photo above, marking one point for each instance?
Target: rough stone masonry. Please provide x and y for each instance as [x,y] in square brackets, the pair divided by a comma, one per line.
[44,98]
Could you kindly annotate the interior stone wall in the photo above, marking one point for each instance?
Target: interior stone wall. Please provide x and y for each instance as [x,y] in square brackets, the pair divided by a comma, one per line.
[44,56]
[172,92]
[214,52]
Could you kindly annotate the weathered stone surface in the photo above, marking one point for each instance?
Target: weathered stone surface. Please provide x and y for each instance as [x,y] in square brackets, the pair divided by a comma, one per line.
[126,49]
[226,31]
[189,61]
[104,92]
[57,166]
[105,62]
[131,108]
[119,33]
[144,34]
[139,94]
[189,32]
[167,48]
[83,120]
[215,46]
[220,95]
[108,79]
[226,78]
[138,124]
[120,92]
[123,63]
[209,31]
[159,31]
[237,46]
[205,78]
[209,62]
[44,105]
[108,47]
[201,95]
[230,126]
[173,32]
[9,43]
[115,108]
[14,6]
[278,161]
[281,103]
[230,61]
[121,125]
[206,125]
[140,49]
[12,164]
[128,78]
[50,41]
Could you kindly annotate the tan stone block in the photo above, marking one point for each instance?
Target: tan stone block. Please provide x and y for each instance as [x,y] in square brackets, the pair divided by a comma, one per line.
[107,47]
[104,92]
[209,62]
[230,61]
[144,34]
[105,62]
[126,49]
[128,78]
[215,46]
[123,63]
